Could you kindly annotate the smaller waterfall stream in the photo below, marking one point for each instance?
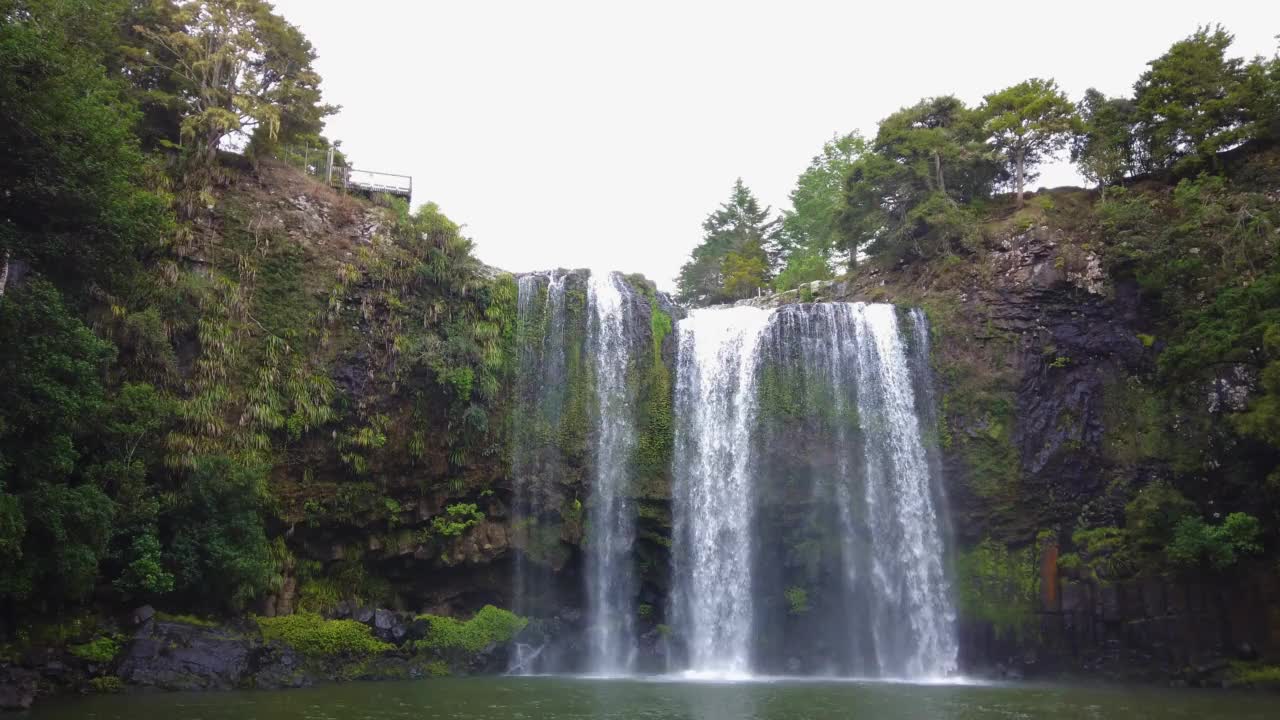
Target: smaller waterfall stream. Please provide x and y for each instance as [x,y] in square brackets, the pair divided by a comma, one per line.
[611,586]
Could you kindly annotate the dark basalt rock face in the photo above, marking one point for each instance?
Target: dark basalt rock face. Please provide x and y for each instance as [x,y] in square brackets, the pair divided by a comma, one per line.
[1059,336]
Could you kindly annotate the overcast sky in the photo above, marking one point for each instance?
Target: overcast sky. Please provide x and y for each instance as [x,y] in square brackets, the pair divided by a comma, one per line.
[600,134]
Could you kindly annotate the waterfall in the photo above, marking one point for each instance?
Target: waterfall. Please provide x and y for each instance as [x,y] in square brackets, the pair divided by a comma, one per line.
[911,613]
[611,586]
[535,463]
[715,403]
[801,463]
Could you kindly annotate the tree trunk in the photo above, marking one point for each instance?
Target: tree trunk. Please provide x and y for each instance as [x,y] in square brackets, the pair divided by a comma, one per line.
[1021,158]
[937,165]
[4,272]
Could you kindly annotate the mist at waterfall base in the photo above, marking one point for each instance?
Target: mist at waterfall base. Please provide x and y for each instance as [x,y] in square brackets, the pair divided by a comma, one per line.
[806,515]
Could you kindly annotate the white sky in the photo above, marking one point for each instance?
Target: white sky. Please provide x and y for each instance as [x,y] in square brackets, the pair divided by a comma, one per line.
[600,134]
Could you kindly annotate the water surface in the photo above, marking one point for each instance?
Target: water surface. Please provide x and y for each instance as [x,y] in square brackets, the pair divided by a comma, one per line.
[539,698]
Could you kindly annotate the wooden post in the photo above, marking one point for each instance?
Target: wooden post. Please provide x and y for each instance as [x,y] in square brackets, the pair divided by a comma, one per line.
[328,173]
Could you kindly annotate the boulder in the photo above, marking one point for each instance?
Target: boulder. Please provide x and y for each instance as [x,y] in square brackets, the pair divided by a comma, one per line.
[18,688]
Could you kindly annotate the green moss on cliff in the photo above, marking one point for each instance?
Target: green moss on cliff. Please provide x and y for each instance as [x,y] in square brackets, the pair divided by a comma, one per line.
[655,439]
[317,638]
[489,626]
[999,586]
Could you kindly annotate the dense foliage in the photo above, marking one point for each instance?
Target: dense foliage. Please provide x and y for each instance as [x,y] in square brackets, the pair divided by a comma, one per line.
[169,372]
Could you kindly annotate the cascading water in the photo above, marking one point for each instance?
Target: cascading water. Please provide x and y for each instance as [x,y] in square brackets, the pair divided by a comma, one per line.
[611,585]
[540,398]
[801,464]
[715,403]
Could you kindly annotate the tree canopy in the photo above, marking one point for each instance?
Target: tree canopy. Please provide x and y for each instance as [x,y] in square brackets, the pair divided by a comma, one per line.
[1026,122]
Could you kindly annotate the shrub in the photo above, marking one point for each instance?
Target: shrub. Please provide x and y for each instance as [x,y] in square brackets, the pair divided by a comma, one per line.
[98,650]
[458,518]
[106,684]
[1154,512]
[1196,543]
[490,625]
[315,637]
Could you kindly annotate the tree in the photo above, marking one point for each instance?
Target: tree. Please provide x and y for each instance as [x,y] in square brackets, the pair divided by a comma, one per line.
[238,67]
[1026,122]
[1103,146]
[51,398]
[1188,104]
[733,260]
[75,206]
[810,229]
[905,196]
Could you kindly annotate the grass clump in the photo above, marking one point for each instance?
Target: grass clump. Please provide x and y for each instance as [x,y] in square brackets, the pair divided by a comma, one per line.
[490,625]
[1255,674]
[98,650]
[186,620]
[315,637]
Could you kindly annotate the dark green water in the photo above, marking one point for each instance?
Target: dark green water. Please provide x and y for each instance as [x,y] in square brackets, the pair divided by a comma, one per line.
[539,698]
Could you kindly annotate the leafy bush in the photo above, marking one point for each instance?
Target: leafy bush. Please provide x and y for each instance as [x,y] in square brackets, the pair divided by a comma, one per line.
[317,638]
[1196,543]
[1104,553]
[458,518]
[106,684]
[490,625]
[99,650]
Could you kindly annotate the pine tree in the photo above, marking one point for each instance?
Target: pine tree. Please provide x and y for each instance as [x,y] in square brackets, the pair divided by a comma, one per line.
[735,259]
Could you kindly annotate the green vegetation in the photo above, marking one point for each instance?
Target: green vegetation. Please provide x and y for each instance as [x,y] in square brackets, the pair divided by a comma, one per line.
[186,620]
[1000,586]
[317,638]
[734,259]
[797,600]
[1255,674]
[168,376]
[101,649]
[1196,543]
[107,684]
[490,625]
[458,518]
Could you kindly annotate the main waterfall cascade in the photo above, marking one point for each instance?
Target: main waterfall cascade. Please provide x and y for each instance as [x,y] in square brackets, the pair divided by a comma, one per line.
[805,509]
[801,464]
[712,543]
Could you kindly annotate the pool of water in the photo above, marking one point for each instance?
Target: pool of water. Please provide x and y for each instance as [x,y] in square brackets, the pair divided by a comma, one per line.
[537,698]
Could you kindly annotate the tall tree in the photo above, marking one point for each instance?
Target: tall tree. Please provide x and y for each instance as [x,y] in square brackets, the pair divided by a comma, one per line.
[1026,122]
[237,68]
[733,260]
[1103,146]
[810,232]
[1188,103]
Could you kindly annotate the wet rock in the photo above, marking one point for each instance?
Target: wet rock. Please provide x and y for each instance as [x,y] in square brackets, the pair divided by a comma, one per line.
[384,619]
[143,614]
[18,688]
[174,656]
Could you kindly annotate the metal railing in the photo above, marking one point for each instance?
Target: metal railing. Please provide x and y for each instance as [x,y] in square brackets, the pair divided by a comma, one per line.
[319,162]
[377,182]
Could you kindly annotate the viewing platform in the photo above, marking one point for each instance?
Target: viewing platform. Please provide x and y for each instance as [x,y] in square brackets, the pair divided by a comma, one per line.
[371,183]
